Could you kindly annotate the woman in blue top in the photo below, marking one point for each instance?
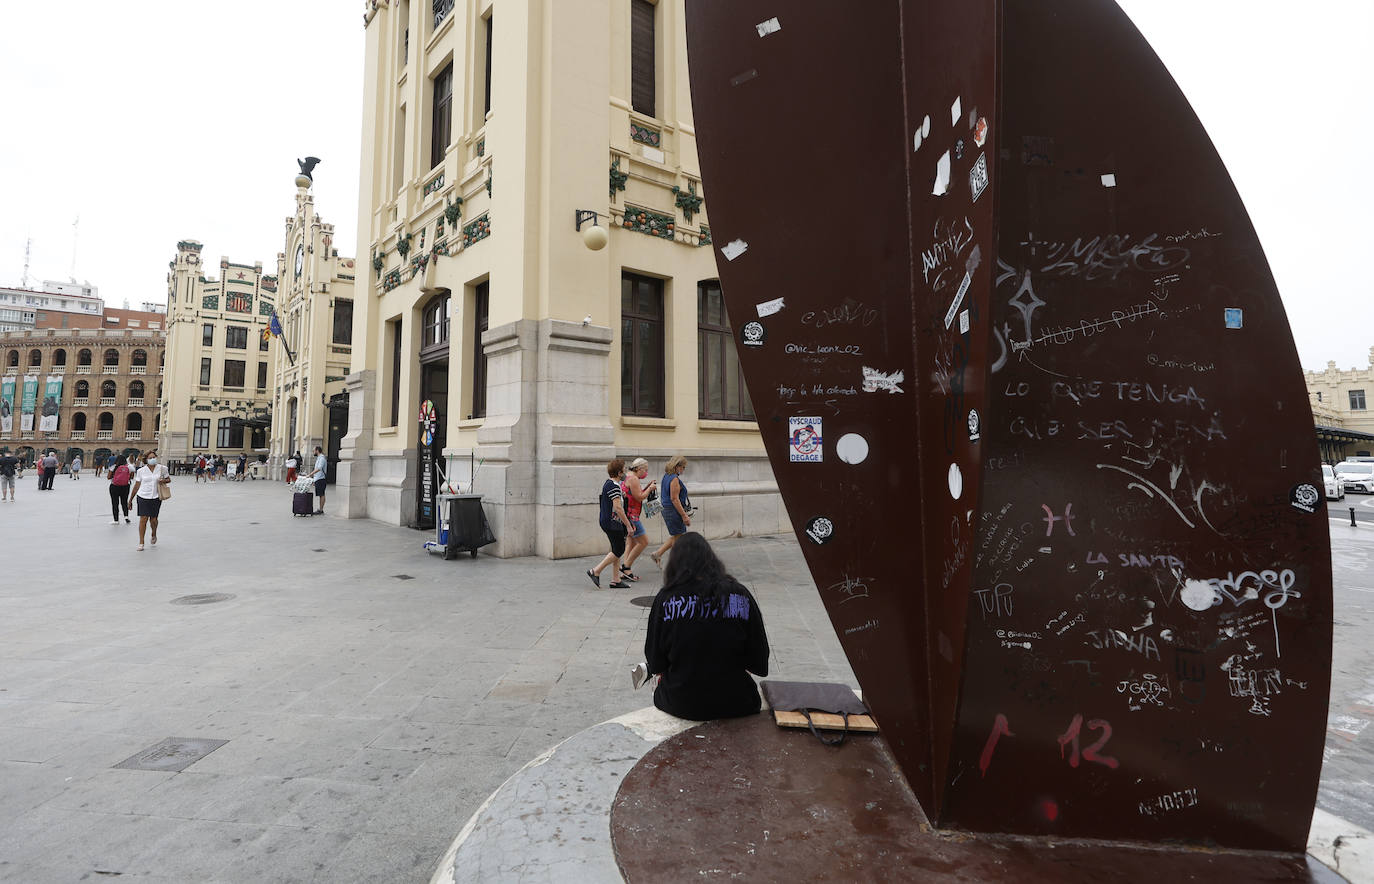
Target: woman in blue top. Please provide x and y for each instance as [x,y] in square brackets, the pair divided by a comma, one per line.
[677,507]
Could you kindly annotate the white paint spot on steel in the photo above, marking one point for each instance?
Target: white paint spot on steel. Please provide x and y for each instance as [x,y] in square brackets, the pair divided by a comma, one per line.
[772,26]
[734,249]
[852,448]
[956,481]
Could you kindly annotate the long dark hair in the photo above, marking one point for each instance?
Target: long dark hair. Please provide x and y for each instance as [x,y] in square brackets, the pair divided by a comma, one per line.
[692,561]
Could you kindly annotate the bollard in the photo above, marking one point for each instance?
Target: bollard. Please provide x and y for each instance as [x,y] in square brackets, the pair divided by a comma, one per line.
[1352,517]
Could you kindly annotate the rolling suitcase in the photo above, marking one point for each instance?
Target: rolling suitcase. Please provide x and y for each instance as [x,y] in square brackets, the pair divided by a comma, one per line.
[302,503]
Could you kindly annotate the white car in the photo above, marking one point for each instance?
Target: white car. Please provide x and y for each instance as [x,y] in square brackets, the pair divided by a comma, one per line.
[1335,488]
[1356,476]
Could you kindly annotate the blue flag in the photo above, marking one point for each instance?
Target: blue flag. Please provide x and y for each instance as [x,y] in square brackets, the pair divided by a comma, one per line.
[274,324]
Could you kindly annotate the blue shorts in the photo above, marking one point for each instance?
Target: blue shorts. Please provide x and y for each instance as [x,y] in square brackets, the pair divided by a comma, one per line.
[638,527]
[319,486]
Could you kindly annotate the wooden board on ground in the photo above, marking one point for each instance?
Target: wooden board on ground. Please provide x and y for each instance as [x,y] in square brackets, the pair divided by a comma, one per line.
[826,721]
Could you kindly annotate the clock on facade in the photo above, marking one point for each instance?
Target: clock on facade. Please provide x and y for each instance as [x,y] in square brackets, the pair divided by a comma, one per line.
[300,260]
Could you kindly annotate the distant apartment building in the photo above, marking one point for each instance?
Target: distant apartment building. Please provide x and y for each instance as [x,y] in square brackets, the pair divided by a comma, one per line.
[218,397]
[1341,410]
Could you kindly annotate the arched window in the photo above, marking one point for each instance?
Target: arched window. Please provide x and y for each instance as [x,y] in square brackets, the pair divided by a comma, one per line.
[162,358]
[83,390]
[83,358]
[106,420]
[140,357]
[134,423]
[159,392]
[112,356]
[157,423]
[79,421]
[435,324]
[35,358]
[107,390]
[13,359]
[136,390]
[59,357]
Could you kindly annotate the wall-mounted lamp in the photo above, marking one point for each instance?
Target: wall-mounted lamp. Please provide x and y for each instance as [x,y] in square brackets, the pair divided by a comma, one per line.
[594,237]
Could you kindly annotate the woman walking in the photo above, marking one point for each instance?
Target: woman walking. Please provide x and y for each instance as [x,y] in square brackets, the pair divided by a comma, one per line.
[677,506]
[291,463]
[120,477]
[614,522]
[636,491]
[705,636]
[76,467]
[147,482]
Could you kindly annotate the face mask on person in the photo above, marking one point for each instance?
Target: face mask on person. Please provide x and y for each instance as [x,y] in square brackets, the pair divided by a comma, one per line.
[152,461]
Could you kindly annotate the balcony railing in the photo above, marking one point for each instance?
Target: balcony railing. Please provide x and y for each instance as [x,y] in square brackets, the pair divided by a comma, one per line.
[78,435]
[81,401]
[28,435]
[136,403]
[107,401]
[135,436]
[13,369]
[441,10]
[109,369]
[138,369]
[83,369]
[104,434]
[58,369]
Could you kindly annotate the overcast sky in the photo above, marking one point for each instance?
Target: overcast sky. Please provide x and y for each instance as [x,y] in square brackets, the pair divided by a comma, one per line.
[175,120]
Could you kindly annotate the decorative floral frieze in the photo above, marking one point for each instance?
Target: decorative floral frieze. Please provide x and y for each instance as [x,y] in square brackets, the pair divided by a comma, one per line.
[435,185]
[704,238]
[645,135]
[687,200]
[209,302]
[618,178]
[189,246]
[378,262]
[646,221]
[269,283]
[439,227]
[391,280]
[264,308]
[418,264]
[453,210]
[403,245]
[476,231]
[488,182]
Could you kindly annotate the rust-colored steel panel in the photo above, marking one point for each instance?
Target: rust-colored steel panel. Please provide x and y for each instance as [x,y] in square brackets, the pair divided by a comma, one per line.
[1030,395]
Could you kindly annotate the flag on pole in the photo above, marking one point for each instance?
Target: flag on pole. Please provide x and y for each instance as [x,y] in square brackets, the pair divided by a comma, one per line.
[274,327]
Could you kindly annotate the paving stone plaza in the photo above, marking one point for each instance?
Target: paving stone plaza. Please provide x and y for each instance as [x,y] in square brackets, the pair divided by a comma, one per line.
[369,696]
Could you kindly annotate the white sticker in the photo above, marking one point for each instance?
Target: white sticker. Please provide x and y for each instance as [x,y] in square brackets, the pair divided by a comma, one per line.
[768,308]
[958,299]
[852,448]
[768,27]
[878,381]
[1198,594]
[956,110]
[1109,180]
[978,176]
[956,481]
[652,153]
[921,134]
[941,176]
[804,439]
[963,322]
[734,249]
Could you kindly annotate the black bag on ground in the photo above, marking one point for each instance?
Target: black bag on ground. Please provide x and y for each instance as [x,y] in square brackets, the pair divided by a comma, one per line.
[814,696]
[302,503]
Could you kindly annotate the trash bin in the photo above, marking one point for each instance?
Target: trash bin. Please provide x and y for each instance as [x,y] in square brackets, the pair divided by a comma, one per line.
[462,525]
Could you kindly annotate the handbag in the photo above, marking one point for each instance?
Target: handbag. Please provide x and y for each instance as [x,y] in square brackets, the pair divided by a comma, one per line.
[164,491]
[807,697]
[652,507]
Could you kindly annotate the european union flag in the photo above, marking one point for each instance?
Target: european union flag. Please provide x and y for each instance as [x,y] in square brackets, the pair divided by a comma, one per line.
[274,324]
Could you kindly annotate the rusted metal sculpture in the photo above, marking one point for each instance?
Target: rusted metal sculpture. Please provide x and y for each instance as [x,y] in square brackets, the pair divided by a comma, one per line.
[1030,394]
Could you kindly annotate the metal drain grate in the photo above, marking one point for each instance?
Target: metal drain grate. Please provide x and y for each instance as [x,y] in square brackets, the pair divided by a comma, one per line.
[172,754]
[643,601]
[208,598]
[402,576]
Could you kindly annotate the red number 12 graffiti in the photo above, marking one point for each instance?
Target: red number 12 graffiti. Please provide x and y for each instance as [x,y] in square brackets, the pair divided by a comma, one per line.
[1001,728]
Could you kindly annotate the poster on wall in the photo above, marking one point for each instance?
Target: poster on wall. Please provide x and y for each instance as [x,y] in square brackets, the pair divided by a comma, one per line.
[52,400]
[30,400]
[428,479]
[7,406]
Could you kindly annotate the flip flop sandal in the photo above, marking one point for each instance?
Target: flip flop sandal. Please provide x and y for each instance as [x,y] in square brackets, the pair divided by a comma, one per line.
[596,578]
[627,575]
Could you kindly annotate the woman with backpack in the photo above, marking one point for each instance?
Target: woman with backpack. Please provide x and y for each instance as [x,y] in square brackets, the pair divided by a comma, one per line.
[119,489]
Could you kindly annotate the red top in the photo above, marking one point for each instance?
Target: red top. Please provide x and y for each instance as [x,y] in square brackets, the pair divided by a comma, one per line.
[632,507]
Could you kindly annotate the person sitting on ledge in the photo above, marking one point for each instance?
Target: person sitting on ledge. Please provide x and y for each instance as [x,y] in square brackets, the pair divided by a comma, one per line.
[705,636]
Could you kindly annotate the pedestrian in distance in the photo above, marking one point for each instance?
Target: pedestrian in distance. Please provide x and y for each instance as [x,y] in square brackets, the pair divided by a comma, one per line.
[99,466]
[200,468]
[111,462]
[677,506]
[148,481]
[120,478]
[615,523]
[636,491]
[243,466]
[76,468]
[49,471]
[320,473]
[292,463]
[705,635]
[10,468]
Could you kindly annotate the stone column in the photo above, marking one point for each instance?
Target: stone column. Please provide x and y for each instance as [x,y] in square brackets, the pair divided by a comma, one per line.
[355,464]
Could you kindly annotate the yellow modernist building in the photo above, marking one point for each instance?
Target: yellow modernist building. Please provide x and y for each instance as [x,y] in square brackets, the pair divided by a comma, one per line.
[216,396]
[490,132]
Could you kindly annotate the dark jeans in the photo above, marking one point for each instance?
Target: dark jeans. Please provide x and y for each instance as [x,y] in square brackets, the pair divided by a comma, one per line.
[119,497]
[45,480]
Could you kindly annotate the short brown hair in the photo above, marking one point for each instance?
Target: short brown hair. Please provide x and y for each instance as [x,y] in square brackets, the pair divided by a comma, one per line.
[615,468]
